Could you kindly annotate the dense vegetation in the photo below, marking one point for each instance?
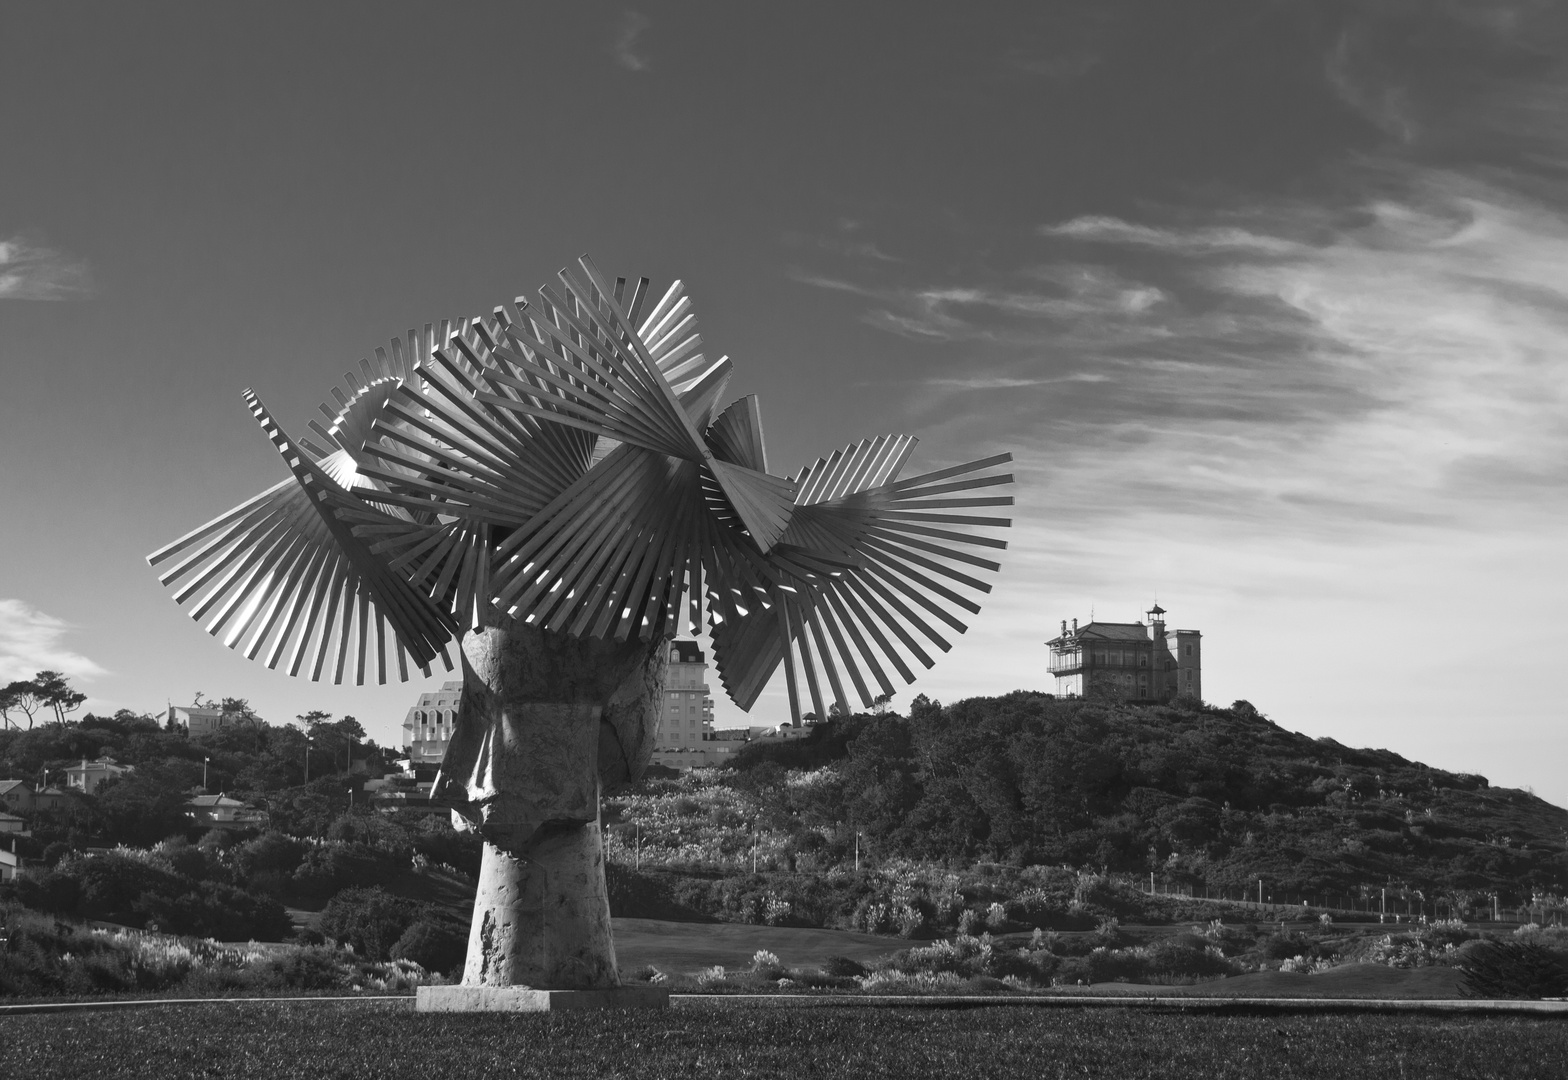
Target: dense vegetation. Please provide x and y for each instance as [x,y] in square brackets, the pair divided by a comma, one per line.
[976,824]
[1205,798]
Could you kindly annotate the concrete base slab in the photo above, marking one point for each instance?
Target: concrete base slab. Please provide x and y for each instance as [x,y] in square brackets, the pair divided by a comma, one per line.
[522,999]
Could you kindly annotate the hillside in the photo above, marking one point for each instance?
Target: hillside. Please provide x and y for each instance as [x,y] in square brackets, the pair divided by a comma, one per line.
[1206,798]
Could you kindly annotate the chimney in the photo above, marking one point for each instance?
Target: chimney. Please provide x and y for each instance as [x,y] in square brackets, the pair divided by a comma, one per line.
[1075,626]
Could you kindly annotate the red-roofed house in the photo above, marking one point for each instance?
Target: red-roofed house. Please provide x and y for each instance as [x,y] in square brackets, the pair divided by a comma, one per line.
[16,797]
[221,812]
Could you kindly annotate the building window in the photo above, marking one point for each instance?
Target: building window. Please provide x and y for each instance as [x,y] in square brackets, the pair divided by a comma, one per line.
[1187,650]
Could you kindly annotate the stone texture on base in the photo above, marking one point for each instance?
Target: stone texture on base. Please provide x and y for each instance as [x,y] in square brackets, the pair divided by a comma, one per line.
[522,999]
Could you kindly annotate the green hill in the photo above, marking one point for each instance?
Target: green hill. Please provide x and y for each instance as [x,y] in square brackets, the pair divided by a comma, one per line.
[1208,799]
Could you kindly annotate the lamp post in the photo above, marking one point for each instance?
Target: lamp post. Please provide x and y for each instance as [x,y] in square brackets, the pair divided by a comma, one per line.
[308,740]
[204,763]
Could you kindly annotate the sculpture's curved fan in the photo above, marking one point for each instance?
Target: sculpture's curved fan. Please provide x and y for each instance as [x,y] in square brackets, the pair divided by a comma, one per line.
[569,464]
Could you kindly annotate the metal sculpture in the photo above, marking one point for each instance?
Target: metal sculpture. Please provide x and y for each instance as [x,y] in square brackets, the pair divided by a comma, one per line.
[557,488]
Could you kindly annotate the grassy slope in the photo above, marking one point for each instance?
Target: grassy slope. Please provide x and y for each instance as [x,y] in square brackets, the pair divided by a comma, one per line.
[366,1040]
[686,947]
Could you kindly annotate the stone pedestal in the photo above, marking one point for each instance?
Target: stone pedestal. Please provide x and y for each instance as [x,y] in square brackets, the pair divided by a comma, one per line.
[542,915]
[546,722]
[522,999]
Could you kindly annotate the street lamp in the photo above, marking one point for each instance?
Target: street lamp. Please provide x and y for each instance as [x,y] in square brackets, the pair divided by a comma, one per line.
[204,763]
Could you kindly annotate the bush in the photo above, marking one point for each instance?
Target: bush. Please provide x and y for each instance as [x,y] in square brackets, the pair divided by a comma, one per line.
[214,910]
[329,868]
[371,920]
[433,945]
[308,968]
[1512,969]
[843,967]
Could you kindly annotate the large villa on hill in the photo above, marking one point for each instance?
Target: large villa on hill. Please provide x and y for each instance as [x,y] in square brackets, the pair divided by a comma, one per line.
[1132,661]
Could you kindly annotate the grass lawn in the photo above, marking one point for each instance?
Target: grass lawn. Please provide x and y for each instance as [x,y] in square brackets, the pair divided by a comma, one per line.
[381,1041]
[687,947]
[1349,981]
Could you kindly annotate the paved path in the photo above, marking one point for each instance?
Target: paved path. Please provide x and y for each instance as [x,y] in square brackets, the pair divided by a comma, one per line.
[1188,1004]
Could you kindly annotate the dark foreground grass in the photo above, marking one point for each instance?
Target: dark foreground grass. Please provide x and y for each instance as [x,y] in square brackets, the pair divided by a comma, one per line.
[386,1041]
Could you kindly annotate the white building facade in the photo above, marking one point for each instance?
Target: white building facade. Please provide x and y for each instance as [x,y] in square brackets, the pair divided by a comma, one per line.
[684,738]
[427,729]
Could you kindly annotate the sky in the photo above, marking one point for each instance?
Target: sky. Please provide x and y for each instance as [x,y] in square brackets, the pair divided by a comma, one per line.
[1268,300]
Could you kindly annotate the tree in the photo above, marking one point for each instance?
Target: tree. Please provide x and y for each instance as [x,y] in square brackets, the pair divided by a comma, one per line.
[241,712]
[351,731]
[8,701]
[23,696]
[56,693]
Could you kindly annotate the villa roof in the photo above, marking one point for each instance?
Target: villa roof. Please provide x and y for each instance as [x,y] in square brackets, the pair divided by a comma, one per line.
[11,785]
[101,763]
[1115,631]
[220,799]
[689,652]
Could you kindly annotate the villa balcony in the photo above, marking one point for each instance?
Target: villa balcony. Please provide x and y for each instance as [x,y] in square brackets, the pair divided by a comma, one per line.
[1066,663]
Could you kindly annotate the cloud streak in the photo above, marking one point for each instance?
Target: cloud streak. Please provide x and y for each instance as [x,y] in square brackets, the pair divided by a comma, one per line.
[32,641]
[628,35]
[1387,372]
[31,271]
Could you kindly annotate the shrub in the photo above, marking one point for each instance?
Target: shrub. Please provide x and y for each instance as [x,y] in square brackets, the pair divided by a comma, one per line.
[433,945]
[211,909]
[269,860]
[331,867]
[370,920]
[843,967]
[140,889]
[1512,969]
[309,968]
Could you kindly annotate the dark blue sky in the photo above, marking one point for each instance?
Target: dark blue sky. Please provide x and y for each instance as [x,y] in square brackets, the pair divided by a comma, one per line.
[1268,299]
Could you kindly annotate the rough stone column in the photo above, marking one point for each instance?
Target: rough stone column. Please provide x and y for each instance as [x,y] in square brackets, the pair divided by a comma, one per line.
[546,722]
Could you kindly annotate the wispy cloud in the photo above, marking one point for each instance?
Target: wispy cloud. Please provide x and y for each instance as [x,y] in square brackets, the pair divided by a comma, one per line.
[1216,239]
[31,271]
[847,246]
[628,36]
[995,312]
[1390,365]
[32,641]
